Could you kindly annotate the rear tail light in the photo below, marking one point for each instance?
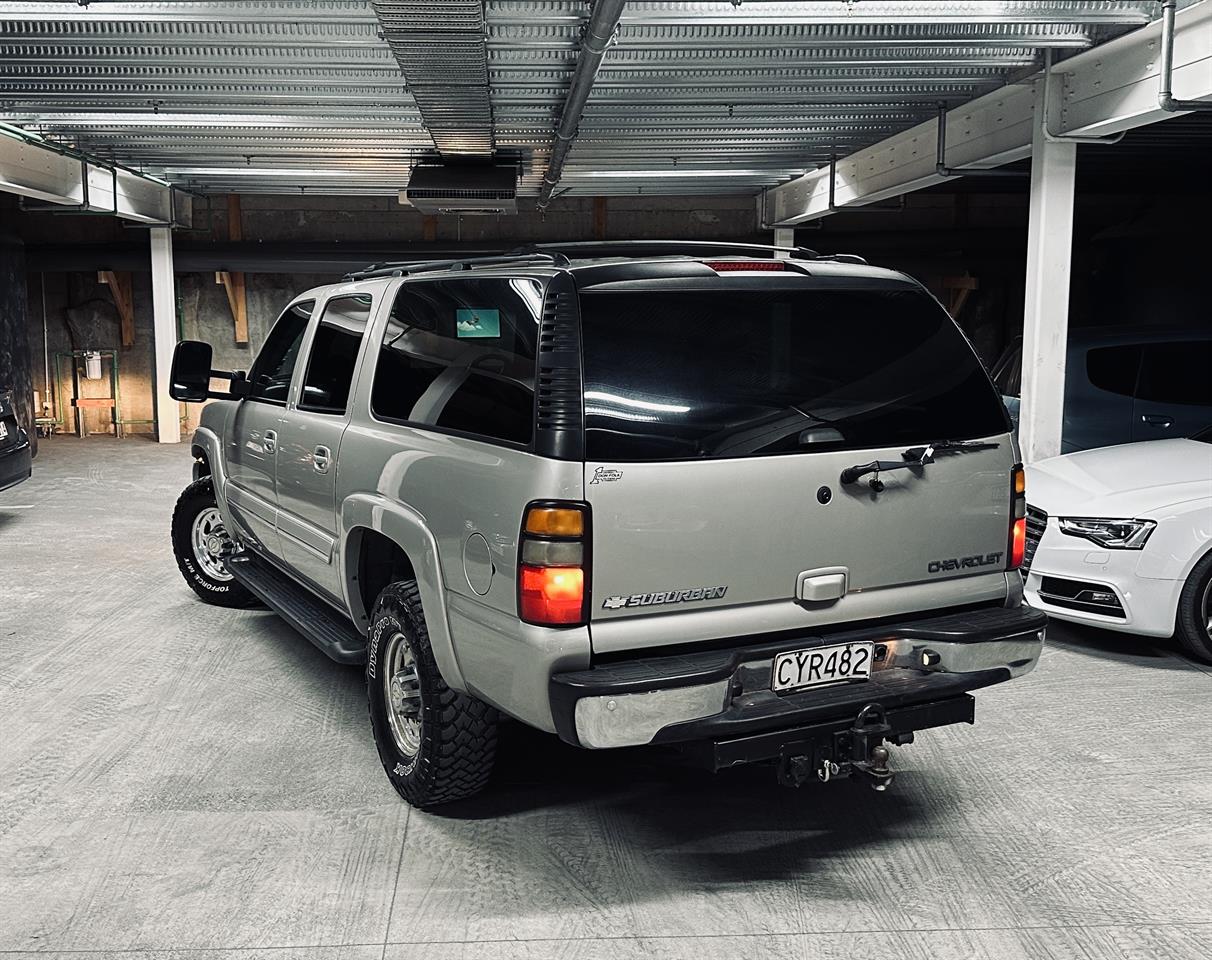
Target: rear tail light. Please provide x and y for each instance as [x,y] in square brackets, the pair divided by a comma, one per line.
[1018,517]
[552,564]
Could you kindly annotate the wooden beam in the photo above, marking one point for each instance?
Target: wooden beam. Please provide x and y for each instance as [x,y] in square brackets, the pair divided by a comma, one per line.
[237,300]
[235,218]
[960,288]
[599,218]
[120,289]
[233,283]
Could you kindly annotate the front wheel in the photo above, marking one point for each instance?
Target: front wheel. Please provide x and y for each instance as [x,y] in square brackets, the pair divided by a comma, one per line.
[1194,620]
[201,544]
[436,745]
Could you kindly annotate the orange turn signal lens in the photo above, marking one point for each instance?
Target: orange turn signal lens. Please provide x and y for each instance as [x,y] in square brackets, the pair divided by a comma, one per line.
[555,522]
[1020,481]
[551,595]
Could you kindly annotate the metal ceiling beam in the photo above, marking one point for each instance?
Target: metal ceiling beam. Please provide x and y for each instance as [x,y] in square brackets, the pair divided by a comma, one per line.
[1105,91]
[73,181]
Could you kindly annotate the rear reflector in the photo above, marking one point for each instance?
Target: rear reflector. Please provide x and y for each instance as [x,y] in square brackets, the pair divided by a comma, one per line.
[1018,517]
[724,266]
[551,595]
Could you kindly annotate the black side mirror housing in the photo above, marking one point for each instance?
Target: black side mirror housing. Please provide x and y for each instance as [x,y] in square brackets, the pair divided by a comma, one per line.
[191,375]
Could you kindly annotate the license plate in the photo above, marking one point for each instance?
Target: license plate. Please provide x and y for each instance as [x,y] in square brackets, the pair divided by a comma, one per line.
[811,668]
[3,429]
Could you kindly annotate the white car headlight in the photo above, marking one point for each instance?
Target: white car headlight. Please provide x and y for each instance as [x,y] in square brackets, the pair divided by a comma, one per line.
[1116,534]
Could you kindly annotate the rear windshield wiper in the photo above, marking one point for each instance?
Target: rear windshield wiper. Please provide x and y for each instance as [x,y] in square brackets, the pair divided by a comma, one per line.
[913,457]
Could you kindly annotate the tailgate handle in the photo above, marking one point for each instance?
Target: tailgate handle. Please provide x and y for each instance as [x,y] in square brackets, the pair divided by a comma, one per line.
[822,584]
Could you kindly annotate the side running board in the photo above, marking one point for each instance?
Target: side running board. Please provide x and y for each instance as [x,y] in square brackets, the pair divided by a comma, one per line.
[321,624]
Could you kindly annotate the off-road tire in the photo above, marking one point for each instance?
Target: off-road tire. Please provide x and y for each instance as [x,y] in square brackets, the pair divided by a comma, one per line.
[196,498]
[458,733]
[1191,621]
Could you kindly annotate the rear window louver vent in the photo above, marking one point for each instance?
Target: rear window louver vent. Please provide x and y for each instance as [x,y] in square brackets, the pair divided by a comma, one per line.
[559,417]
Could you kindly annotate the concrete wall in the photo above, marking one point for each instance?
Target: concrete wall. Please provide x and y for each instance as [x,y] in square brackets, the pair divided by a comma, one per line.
[936,235]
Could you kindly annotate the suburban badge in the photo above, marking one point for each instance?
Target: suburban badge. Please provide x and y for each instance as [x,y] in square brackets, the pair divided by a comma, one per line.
[666,596]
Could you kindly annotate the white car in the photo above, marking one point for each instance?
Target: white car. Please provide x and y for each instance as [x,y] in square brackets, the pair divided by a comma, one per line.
[1121,538]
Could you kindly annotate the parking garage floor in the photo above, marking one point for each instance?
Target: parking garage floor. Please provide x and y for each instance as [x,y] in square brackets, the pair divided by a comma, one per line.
[178,780]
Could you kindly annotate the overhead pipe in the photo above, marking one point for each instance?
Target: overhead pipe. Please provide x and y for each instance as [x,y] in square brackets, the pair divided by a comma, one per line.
[1165,93]
[1046,98]
[599,31]
[940,159]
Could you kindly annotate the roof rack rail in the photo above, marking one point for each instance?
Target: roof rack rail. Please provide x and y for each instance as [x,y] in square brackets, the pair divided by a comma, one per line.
[407,268]
[656,248]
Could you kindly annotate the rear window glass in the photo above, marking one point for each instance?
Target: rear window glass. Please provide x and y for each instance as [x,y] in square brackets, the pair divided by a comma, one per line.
[680,375]
[1113,368]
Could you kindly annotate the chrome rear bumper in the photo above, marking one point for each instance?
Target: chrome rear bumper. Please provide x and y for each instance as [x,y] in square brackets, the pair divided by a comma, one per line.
[727,693]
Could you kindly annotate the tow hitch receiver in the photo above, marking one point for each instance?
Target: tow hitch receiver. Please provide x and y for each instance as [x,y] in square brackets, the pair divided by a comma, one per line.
[858,751]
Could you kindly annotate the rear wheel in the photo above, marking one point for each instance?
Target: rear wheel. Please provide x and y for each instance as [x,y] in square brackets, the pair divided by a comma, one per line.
[201,544]
[1194,620]
[436,745]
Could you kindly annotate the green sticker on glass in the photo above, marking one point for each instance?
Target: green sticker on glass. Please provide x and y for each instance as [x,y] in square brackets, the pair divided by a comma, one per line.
[477,323]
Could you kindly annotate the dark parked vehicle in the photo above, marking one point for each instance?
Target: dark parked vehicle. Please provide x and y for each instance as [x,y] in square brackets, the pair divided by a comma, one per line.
[15,448]
[1125,384]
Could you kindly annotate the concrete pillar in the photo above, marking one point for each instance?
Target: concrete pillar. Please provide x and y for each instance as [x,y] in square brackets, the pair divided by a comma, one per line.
[1046,314]
[784,237]
[164,315]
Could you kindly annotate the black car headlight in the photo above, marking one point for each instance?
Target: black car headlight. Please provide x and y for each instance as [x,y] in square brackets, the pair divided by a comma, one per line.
[1115,534]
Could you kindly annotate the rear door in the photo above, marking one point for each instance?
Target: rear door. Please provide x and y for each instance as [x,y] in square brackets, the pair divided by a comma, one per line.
[1174,395]
[310,438]
[718,424]
[251,452]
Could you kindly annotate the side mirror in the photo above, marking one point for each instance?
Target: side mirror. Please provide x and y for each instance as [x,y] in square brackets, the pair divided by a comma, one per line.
[191,375]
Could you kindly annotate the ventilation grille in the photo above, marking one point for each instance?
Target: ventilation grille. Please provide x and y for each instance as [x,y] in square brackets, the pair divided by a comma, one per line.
[559,416]
[463,189]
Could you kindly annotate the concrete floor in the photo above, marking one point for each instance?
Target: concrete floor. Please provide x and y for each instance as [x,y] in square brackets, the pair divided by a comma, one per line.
[178,780]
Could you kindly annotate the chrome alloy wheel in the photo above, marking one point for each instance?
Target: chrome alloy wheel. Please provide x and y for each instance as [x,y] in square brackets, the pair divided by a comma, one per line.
[402,692]
[211,543]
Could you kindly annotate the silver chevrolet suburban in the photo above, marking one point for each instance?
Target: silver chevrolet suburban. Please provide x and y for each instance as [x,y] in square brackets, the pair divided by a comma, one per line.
[756,503]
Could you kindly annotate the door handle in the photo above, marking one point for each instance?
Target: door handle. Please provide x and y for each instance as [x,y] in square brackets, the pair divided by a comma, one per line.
[271,441]
[1157,420]
[320,459]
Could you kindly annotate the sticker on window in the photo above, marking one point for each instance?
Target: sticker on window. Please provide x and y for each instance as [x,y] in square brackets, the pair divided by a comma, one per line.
[477,323]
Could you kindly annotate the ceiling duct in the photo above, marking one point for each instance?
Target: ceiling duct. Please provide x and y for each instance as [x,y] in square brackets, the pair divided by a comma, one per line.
[463,189]
[439,45]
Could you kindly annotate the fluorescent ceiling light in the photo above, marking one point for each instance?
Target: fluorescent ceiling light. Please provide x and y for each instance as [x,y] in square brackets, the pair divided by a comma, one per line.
[676,174]
[266,172]
[304,121]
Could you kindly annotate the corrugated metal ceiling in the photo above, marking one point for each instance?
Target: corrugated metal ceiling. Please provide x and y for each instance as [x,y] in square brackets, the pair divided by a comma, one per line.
[692,98]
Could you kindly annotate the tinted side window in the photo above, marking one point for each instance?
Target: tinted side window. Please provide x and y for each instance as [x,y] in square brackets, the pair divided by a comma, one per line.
[1113,368]
[460,354]
[269,379]
[1177,373]
[334,352]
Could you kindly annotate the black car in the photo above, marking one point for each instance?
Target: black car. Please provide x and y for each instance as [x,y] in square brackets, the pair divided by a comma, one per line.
[15,452]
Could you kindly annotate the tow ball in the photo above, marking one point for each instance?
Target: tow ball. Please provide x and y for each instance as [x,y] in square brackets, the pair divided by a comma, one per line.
[857,752]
